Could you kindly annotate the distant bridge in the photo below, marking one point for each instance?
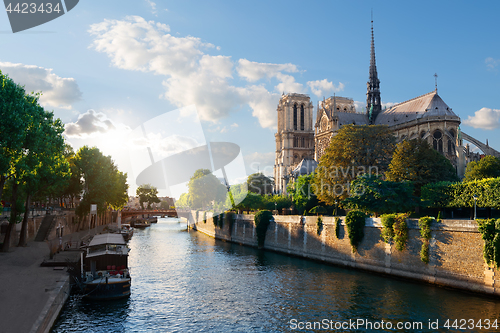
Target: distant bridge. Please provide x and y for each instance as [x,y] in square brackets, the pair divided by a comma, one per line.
[159,212]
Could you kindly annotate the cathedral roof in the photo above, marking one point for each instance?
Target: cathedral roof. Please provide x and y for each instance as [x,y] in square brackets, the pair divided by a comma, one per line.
[346,118]
[428,105]
[305,167]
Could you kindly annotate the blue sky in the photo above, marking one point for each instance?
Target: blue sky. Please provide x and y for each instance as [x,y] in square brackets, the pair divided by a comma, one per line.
[107,67]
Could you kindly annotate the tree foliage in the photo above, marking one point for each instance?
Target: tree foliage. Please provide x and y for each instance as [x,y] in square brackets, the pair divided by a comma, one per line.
[31,151]
[303,194]
[103,184]
[353,151]
[416,161]
[147,194]
[487,167]
[260,184]
[371,194]
[205,189]
[458,195]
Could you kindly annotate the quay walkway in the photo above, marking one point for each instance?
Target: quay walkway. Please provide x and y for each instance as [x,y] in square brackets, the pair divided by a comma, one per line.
[32,296]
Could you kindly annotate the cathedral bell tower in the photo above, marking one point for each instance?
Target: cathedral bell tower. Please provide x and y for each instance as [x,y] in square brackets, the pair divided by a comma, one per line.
[294,138]
[373,105]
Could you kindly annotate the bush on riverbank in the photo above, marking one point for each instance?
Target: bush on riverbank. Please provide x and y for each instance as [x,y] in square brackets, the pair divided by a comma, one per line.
[490,232]
[394,227]
[262,220]
[425,232]
[355,222]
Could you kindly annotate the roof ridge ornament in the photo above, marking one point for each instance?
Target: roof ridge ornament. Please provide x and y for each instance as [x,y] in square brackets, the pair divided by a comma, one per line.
[436,81]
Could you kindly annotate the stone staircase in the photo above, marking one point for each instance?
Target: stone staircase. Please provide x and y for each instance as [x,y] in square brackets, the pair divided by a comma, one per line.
[45,228]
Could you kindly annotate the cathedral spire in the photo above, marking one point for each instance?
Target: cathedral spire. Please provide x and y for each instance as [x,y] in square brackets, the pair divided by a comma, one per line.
[373,106]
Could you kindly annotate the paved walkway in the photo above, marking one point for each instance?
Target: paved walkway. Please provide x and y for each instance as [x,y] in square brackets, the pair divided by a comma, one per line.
[26,289]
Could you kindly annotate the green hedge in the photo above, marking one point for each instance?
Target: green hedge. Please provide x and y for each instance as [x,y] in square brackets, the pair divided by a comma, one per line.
[457,195]
[490,232]
[355,222]
[425,232]
[394,227]
[262,220]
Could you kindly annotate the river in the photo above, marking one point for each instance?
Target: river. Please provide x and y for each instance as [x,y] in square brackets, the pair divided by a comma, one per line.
[185,281]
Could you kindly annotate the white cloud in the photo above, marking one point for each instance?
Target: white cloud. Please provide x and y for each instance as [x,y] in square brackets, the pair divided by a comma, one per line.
[260,162]
[166,146]
[56,91]
[491,63]
[254,71]
[322,88]
[235,125]
[153,7]
[485,118]
[192,76]
[91,124]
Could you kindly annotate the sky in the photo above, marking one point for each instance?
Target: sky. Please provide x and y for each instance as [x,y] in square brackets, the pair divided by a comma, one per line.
[107,68]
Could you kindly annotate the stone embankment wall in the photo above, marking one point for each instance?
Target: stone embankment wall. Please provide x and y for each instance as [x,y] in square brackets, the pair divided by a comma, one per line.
[63,218]
[455,251]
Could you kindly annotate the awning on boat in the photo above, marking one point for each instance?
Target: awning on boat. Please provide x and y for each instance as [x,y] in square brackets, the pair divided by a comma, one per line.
[107,239]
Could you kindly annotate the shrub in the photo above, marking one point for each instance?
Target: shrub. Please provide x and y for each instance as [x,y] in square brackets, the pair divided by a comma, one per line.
[387,231]
[425,232]
[355,221]
[490,232]
[400,231]
[262,220]
[215,220]
[229,220]
[319,225]
[394,227]
[337,227]
[204,217]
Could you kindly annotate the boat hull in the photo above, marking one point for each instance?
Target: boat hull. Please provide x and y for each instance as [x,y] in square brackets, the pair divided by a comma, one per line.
[100,290]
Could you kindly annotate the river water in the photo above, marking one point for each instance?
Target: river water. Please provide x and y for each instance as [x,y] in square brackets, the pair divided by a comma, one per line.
[188,282]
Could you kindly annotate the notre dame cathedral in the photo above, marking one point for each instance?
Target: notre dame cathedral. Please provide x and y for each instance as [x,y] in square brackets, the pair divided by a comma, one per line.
[299,146]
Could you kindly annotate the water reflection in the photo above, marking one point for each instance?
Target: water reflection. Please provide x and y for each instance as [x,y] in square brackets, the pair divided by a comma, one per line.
[186,281]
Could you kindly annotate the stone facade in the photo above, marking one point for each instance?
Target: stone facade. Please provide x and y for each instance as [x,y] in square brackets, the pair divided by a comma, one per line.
[455,251]
[294,138]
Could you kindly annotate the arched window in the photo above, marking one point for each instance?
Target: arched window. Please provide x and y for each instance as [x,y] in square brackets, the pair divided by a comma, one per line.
[303,143]
[295,116]
[422,134]
[437,142]
[302,117]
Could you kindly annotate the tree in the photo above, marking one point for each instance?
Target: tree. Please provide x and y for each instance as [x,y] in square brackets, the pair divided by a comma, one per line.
[371,194]
[416,161]
[184,201]
[147,193]
[31,147]
[104,185]
[260,184]
[353,151]
[303,194]
[487,167]
[205,189]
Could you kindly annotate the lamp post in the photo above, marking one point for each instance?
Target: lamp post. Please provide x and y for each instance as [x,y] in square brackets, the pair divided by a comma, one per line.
[475,201]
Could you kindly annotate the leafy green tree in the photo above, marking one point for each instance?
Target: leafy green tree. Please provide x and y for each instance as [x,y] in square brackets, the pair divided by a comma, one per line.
[277,201]
[371,194]
[104,185]
[303,191]
[353,151]
[260,184]
[184,201]
[205,189]
[487,167]
[416,161]
[148,194]
[31,147]
[14,124]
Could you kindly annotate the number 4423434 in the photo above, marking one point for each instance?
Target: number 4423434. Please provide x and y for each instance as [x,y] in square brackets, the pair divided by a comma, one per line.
[31,8]
[462,324]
